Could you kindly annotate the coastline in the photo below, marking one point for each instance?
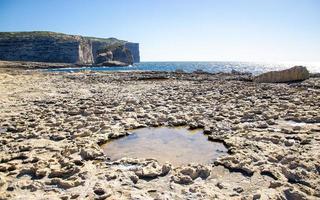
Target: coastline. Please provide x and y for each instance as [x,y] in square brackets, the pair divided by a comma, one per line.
[53,123]
[37,65]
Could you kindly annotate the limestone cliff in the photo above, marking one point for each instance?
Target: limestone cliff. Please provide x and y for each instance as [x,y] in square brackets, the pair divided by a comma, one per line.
[42,46]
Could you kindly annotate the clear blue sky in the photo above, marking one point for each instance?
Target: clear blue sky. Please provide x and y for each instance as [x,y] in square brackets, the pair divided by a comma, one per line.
[231,30]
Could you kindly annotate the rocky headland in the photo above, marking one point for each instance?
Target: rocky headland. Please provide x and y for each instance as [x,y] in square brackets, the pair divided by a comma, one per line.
[52,126]
[51,47]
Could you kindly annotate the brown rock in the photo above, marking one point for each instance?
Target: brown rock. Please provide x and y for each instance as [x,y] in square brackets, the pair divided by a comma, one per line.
[297,73]
[90,154]
[64,184]
[182,179]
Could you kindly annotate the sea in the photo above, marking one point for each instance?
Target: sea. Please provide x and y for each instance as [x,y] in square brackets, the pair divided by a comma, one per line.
[189,67]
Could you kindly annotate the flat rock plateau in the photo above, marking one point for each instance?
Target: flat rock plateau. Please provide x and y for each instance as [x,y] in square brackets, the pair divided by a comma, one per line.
[53,124]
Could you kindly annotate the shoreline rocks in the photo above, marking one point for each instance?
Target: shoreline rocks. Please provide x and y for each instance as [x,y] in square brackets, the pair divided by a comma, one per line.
[51,125]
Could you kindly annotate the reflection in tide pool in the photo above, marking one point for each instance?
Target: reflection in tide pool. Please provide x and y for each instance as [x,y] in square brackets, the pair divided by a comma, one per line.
[178,146]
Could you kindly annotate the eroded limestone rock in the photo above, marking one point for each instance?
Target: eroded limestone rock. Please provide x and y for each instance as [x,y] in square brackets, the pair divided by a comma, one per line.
[271,132]
[297,73]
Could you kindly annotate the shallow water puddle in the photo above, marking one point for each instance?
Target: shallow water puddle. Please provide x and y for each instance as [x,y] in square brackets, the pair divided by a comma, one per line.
[178,146]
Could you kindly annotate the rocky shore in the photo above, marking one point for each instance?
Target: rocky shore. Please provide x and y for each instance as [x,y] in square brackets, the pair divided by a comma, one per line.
[52,126]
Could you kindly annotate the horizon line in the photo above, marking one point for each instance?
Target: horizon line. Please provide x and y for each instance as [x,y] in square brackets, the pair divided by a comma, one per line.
[243,61]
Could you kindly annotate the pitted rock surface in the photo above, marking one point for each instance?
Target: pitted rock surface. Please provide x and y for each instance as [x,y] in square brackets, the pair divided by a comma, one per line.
[51,126]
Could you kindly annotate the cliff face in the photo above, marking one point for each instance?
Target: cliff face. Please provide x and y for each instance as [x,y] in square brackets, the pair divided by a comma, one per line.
[60,48]
[134,49]
[85,55]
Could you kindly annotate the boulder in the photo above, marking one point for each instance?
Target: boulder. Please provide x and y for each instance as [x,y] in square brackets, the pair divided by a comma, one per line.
[153,170]
[186,175]
[297,73]
[90,154]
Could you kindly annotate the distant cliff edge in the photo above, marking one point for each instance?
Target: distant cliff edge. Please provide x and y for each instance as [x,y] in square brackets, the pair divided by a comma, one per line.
[42,46]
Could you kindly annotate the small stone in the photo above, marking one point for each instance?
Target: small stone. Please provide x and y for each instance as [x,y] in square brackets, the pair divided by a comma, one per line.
[289,142]
[10,188]
[134,178]
[193,189]
[207,130]
[220,185]
[64,197]
[74,195]
[256,196]
[262,125]
[40,173]
[111,176]
[166,169]
[189,171]
[90,154]
[152,170]
[203,172]
[238,189]
[99,191]
[4,167]
[182,179]
[193,126]
[57,137]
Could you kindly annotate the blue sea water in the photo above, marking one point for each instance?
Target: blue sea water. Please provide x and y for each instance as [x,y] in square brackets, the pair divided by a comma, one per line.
[212,67]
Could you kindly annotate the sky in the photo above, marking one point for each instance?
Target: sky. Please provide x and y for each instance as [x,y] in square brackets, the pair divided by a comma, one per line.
[182,30]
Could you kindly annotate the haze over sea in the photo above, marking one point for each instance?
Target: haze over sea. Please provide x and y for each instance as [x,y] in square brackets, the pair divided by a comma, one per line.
[212,67]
